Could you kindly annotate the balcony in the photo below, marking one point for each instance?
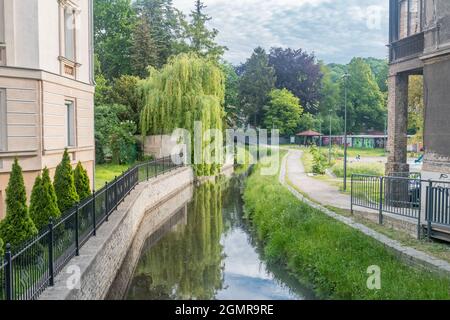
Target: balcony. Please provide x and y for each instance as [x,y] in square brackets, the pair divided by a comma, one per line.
[407,48]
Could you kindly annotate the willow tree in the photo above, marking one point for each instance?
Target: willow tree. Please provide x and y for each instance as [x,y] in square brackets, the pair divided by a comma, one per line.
[187,89]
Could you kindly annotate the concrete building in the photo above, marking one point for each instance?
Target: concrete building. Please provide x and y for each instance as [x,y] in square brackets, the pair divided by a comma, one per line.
[420,45]
[46,86]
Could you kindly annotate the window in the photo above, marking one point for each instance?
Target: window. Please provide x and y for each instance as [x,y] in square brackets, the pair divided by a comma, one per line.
[69,34]
[70,116]
[3,124]
[410,18]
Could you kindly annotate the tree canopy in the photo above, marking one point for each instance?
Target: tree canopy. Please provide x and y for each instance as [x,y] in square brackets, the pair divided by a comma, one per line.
[299,72]
[115,21]
[366,105]
[189,88]
[283,112]
[257,81]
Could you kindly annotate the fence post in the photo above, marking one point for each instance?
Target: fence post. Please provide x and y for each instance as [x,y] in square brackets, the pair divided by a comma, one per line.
[146,168]
[8,273]
[429,208]
[77,234]
[116,196]
[94,221]
[106,200]
[419,223]
[380,213]
[351,195]
[50,254]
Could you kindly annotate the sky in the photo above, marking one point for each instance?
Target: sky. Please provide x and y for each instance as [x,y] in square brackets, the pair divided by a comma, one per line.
[334,30]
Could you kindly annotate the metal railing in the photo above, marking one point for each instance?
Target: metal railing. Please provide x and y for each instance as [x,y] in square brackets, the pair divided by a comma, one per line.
[409,47]
[26,271]
[437,205]
[403,196]
[395,195]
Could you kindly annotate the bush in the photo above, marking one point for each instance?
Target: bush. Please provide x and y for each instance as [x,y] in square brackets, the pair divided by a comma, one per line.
[319,161]
[66,193]
[82,183]
[2,251]
[43,204]
[17,227]
[114,138]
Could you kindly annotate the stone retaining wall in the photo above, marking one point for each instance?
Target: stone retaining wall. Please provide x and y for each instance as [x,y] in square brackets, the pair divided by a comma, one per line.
[155,224]
[396,222]
[102,256]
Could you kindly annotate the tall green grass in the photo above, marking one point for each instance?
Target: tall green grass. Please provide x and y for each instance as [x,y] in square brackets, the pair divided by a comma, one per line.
[376,169]
[329,255]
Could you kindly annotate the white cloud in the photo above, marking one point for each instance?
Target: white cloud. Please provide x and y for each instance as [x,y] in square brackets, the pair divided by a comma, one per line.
[334,30]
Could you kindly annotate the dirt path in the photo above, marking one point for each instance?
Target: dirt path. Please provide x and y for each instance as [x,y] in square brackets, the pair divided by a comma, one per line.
[316,190]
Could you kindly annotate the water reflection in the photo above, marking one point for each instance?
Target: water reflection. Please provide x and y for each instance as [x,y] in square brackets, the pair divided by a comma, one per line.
[212,256]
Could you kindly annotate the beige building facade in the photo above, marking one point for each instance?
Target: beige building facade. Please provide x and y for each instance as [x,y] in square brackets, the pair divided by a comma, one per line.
[46,86]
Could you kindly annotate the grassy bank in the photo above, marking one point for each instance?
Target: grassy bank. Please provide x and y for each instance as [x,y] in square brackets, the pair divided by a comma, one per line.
[328,254]
[107,172]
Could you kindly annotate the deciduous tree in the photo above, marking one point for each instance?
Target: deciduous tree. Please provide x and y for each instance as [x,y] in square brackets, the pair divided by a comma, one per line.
[188,89]
[300,73]
[114,23]
[365,103]
[283,112]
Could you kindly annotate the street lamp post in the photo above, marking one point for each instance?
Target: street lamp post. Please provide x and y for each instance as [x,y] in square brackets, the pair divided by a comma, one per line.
[345,77]
[329,143]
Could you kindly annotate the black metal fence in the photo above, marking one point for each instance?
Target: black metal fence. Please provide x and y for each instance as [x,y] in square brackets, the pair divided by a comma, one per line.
[394,194]
[402,195]
[437,205]
[27,270]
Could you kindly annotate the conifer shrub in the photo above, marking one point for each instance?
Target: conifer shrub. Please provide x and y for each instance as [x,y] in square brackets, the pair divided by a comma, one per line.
[43,203]
[2,251]
[82,183]
[17,226]
[64,184]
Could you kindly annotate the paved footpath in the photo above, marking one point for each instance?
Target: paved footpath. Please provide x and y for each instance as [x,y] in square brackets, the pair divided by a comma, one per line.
[319,191]
[293,168]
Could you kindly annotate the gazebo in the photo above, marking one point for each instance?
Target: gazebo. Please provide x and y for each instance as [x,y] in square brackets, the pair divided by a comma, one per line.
[309,135]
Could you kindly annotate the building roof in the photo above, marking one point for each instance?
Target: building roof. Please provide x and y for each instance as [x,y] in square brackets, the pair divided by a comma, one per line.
[309,133]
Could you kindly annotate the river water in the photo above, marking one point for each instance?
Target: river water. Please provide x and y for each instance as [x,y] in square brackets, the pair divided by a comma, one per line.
[207,250]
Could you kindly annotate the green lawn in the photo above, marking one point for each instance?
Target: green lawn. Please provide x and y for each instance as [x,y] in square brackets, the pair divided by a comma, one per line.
[107,172]
[331,256]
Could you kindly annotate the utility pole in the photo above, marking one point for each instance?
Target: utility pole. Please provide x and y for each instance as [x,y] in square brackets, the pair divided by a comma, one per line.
[320,131]
[345,77]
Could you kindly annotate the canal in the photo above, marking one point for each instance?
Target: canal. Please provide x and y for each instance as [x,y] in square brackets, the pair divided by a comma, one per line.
[205,250]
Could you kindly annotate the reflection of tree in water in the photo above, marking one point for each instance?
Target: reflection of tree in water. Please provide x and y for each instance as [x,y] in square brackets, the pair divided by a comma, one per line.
[233,204]
[186,264]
